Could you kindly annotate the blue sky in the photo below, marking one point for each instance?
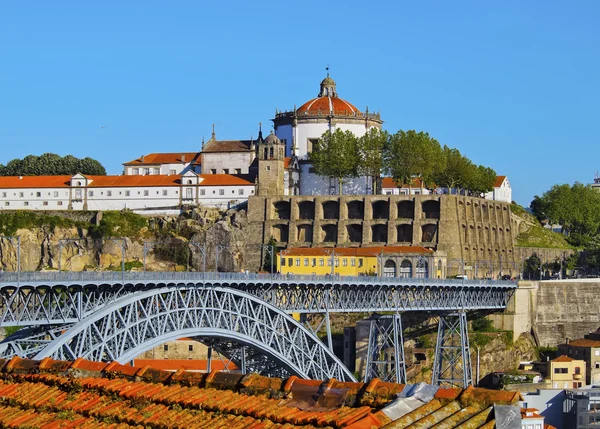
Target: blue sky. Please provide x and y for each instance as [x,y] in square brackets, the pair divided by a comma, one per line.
[514,85]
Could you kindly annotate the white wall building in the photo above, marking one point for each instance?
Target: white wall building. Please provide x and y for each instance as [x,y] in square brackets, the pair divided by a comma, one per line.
[389,187]
[163,163]
[145,194]
[502,190]
[300,130]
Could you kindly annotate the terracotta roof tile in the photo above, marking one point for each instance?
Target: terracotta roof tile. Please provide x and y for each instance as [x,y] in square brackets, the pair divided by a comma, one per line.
[563,358]
[325,105]
[583,342]
[499,181]
[166,158]
[227,146]
[47,399]
[388,182]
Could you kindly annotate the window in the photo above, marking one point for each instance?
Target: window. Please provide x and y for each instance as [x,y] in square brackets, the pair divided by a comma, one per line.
[109,193]
[311,170]
[146,193]
[226,171]
[314,262]
[241,192]
[306,262]
[60,203]
[164,192]
[213,171]
[311,144]
[221,191]
[172,172]
[127,193]
[268,168]
[166,347]
[6,203]
[282,261]
[156,171]
[360,262]
[329,262]
[26,203]
[597,365]
[238,171]
[91,193]
[190,348]
[290,262]
[321,262]
[202,191]
[135,171]
[38,194]
[353,262]
[337,262]
[577,370]
[45,203]
[188,193]
[297,262]
[21,194]
[596,352]
[4,194]
[78,194]
[561,371]
[146,171]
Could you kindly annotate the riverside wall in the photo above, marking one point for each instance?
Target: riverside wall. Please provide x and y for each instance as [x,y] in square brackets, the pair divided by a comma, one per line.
[552,310]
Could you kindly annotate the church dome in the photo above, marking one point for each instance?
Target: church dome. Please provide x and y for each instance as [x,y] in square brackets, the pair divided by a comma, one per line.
[328,102]
[272,139]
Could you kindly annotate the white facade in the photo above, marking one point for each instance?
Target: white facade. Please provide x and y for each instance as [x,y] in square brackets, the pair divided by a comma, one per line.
[159,194]
[501,192]
[163,164]
[227,163]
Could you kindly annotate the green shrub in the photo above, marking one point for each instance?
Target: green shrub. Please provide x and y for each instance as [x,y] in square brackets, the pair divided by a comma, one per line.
[13,221]
[483,324]
[480,340]
[119,224]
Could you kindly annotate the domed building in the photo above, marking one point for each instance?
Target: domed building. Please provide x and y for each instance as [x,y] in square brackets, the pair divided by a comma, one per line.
[300,129]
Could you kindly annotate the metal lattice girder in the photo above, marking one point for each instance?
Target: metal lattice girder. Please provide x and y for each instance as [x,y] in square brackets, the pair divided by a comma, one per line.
[385,351]
[138,322]
[452,364]
[50,298]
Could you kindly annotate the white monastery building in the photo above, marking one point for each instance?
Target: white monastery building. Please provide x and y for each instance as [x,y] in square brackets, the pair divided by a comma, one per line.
[224,173]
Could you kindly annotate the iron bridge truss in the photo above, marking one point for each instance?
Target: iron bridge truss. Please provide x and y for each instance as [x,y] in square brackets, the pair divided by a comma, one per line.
[116,316]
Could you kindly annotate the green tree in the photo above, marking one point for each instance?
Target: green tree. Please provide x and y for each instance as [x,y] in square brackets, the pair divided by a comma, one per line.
[270,255]
[456,170]
[371,148]
[576,208]
[411,154]
[50,164]
[336,156]
[480,179]
[532,266]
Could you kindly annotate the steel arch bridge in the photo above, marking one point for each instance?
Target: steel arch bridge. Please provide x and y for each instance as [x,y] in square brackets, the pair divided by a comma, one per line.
[115,316]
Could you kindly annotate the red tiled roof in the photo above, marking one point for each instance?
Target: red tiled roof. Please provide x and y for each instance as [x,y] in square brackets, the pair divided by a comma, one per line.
[583,342]
[227,146]
[86,394]
[326,105]
[354,251]
[563,358]
[499,181]
[15,182]
[388,182]
[185,364]
[167,158]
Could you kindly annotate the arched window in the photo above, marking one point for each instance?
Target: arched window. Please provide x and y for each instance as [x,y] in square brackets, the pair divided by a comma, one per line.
[389,269]
[405,269]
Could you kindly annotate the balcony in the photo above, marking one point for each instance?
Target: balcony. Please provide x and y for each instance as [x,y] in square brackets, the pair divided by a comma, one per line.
[577,376]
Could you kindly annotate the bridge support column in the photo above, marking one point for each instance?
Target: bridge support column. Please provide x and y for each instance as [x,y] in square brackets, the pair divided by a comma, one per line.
[452,364]
[385,352]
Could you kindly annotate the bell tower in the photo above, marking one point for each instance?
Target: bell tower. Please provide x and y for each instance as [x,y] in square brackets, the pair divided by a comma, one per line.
[271,166]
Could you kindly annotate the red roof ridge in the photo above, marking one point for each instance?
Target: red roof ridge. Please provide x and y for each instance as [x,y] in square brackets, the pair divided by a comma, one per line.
[563,358]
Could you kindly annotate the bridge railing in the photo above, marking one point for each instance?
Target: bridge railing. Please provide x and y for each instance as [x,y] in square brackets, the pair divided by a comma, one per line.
[35,277]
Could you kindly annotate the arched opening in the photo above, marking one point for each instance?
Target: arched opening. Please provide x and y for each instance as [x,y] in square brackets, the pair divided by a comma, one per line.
[422,269]
[282,210]
[356,210]
[428,233]
[381,209]
[406,269]
[329,233]
[354,233]
[379,233]
[280,233]
[306,210]
[431,209]
[331,210]
[406,209]
[305,233]
[405,233]
[389,268]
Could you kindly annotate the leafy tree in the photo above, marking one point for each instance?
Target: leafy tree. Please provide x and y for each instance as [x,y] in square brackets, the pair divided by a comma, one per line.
[532,266]
[455,173]
[371,148]
[50,164]
[483,324]
[576,208]
[538,208]
[269,259]
[336,156]
[480,179]
[411,154]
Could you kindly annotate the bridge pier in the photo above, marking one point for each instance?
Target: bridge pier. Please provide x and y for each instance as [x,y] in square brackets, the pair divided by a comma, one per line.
[452,363]
[385,351]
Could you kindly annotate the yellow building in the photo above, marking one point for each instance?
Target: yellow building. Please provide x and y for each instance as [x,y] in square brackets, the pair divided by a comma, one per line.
[566,373]
[387,261]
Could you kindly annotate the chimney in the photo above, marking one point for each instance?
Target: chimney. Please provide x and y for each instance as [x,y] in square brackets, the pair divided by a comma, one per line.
[183,158]
[567,340]
[142,158]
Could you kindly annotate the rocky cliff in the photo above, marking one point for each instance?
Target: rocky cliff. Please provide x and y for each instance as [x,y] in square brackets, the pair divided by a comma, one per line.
[51,242]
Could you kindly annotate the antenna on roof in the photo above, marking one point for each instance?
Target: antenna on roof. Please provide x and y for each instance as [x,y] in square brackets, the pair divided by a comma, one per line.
[213,131]
[327,69]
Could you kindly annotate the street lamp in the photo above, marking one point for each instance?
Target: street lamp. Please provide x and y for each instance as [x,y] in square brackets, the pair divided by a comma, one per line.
[18,238]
